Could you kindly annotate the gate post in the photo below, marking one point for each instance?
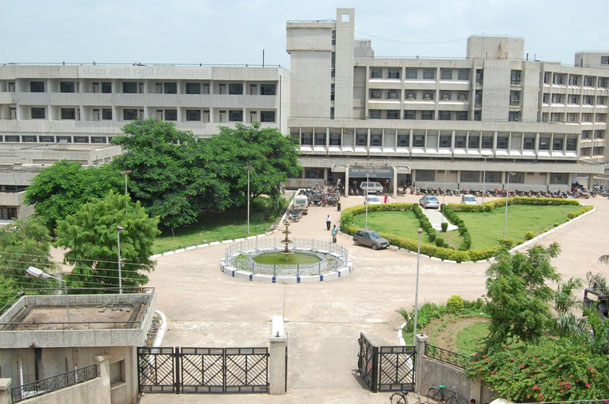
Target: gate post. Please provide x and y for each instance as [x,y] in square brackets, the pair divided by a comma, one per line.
[277,366]
[375,369]
[103,371]
[418,363]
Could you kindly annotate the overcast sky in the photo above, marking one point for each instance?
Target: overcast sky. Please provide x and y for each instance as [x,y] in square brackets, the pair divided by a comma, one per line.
[236,31]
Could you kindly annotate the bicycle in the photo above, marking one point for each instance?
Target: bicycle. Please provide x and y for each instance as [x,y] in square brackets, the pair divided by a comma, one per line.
[402,398]
[444,395]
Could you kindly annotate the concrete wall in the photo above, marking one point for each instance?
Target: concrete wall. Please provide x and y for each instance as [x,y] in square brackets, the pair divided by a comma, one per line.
[90,392]
[492,47]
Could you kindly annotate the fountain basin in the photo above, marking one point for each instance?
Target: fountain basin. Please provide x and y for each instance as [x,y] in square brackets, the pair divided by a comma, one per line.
[279,258]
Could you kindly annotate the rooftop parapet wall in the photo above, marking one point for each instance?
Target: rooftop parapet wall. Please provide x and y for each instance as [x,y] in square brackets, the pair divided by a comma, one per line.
[495,47]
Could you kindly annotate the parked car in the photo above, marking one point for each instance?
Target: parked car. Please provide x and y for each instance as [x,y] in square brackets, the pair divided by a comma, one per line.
[372,200]
[429,202]
[468,199]
[370,238]
[301,202]
[373,187]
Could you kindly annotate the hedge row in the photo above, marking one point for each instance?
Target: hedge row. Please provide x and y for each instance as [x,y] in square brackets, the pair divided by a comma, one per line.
[457,221]
[518,200]
[424,222]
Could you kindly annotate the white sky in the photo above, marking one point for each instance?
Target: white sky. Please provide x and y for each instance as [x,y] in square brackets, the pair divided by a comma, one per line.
[236,31]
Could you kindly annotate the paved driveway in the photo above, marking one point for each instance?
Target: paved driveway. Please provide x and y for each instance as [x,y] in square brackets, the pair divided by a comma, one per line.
[204,307]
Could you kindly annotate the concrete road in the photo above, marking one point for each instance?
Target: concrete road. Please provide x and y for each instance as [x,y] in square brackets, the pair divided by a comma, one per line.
[204,307]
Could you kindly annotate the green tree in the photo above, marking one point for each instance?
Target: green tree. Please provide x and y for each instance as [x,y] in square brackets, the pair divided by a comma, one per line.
[59,190]
[518,295]
[90,235]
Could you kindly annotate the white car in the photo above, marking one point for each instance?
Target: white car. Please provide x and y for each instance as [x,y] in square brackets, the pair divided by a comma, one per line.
[469,200]
[372,200]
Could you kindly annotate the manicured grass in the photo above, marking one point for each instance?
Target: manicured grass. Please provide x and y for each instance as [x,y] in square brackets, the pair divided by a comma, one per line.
[453,238]
[467,338]
[404,224]
[280,259]
[214,227]
[487,227]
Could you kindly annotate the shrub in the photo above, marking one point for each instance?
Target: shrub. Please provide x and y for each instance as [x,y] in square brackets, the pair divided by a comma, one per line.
[454,303]
[440,242]
[529,235]
[444,226]
[506,243]
[556,224]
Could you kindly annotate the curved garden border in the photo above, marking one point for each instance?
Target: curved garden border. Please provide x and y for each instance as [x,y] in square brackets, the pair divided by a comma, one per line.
[458,256]
[230,266]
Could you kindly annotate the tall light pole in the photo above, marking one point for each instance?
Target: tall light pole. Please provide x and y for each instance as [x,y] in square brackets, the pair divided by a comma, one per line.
[126,173]
[33,272]
[484,176]
[367,201]
[248,168]
[507,197]
[119,229]
[416,292]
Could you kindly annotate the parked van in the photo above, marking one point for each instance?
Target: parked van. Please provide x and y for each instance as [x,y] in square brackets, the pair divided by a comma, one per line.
[372,187]
[301,202]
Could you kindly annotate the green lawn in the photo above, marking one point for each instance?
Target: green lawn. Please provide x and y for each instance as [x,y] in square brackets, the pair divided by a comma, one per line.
[214,227]
[292,259]
[486,228]
[403,224]
[469,336]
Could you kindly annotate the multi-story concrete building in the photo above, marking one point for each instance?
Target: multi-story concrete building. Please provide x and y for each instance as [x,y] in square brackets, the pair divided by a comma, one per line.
[432,122]
[443,122]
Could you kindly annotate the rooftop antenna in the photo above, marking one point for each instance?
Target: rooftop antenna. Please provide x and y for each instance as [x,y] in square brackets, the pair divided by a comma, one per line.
[262,57]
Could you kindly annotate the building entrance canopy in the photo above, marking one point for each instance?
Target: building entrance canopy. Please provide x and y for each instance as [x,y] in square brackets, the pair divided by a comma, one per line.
[371,172]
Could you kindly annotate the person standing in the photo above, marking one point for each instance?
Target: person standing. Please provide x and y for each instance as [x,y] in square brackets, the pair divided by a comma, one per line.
[334,232]
[328,222]
[385,200]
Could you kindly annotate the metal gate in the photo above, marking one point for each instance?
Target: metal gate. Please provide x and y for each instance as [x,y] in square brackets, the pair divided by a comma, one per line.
[203,370]
[386,368]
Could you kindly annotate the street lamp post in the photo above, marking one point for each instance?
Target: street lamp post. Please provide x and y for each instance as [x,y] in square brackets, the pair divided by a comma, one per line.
[119,229]
[248,198]
[484,177]
[416,293]
[507,197]
[34,272]
[367,201]
[126,173]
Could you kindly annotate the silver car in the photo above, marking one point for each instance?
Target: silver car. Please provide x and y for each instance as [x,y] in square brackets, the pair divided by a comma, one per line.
[469,200]
[429,202]
[370,238]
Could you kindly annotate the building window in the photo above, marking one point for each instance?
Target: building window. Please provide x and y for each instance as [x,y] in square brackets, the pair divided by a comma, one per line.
[502,142]
[514,98]
[46,139]
[393,94]
[332,91]
[425,175]
[427,115]
[514,116]
[393,73]
[28,139]
[428,95]
[479,76]
[585,152]
[463,74]
[444,95]
[11,138]
[376,140]
[193,114]
[66,87]
[574,99]
[515,77]
[235,89]
[493,177]
[307,139]
[410,115]
[478,98]
[376,73]
[320,139]
[573,80]
[335,139]
[81,139]
[375,114]
[473,142]
[38,113]
[470,176]
[445,141]
[599,134]
[410,95]
[391,114]
[559,178]
[37,86]
[106,87]
[605,60]
[558,78]
[477,115]
[117,372]
[444,115]
[601,100]
[589,81]
[411,74]
[361,139]
[462,116]
[598,151]
[462,95]
[586,134]
[375,94]
[130,87]
[557,98]
[170,88]
[585,117]
[171,114]
[544,143]
[600,118]
[333,37]
[446,74]
[588,100]
[193,88]
[267,89]
[130,114]
[571,143]
[403,140]
[557,143]
[603,82]
[418,140]
[529,143]
[516,178]
[314,173]
[68,113]
[235,115]
[429,74]
[460,142]
[107,114]
[64,139]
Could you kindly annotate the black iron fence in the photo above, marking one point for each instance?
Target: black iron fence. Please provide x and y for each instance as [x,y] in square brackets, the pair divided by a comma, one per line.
[446,356]
[53,383]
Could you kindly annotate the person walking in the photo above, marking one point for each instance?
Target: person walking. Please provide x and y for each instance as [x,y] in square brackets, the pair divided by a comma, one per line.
[334,232]
[328,222]
[385,200]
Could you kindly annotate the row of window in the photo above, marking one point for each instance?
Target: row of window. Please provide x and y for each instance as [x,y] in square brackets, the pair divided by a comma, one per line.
[137,87]
[54,139]
[169,114]
[419,73]
[589,134]
[593,151]
[492,177]
[420,115]
[413,95]
[574,99]
[572,117]
[575,80]
[444,141]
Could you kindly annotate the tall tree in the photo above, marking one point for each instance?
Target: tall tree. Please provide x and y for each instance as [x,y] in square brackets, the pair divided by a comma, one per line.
[59,190]
[90,235]
[518,295]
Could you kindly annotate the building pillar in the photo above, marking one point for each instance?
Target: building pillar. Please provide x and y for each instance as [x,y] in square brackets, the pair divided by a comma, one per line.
[278,343]
[5,391]
[420,353]
[395,182]
[103,371]
[347,180]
